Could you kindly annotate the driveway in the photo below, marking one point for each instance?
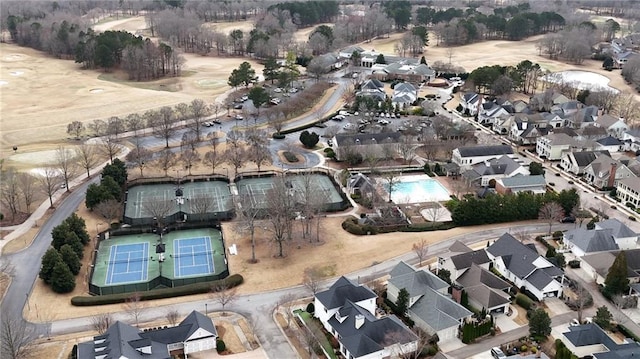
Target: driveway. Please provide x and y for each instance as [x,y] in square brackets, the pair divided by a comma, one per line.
[555,306]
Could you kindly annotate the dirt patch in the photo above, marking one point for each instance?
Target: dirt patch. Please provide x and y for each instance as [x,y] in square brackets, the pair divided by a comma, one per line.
[521,318]
[228,334]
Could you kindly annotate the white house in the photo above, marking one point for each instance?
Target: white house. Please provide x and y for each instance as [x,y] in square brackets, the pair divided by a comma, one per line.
[466,157]
[404,94]
[429,305]
[194,334]
[628,190]
[497,168]
[490,111]
[615,126]
[604,172]
[523,266]
[470,102]
[576,162]
[553,145]
[624,236]
[347,311]
[610,144]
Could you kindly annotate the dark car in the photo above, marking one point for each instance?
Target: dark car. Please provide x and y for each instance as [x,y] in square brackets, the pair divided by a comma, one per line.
[569,219]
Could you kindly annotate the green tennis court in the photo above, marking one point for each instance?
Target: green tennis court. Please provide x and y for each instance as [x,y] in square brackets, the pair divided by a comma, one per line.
[191,256]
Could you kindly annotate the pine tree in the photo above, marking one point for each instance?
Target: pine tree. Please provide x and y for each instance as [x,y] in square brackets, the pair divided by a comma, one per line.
[49,260]
[617,281]
[539,323]
[59,235]
[62,280]
[74,242]
[402,303]
[78,226]
[603,318]
[70,258]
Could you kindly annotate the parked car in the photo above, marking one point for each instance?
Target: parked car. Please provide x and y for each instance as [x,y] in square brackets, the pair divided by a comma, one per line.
[216,121]
[497,353]
[239,117]
[277,89]
[330,142]
[574,322]
[338,117]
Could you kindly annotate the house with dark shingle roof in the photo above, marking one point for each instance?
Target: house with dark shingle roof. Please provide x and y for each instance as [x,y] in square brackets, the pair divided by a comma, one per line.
[194,334]
[467,156]
[605,171]
[575,162]
[430,307]
[377,144]
[610,144]
[485,290]
[590,340]
[615,126]
[347,311]
[457,264]
[524,267]
[470,102]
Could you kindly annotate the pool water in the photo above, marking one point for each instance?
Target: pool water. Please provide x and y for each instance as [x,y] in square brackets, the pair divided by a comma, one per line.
[418,190]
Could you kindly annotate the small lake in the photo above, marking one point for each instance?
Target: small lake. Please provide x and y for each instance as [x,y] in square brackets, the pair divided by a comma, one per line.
[583,80]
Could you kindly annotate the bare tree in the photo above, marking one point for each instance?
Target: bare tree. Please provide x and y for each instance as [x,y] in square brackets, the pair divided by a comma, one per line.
[115,126]
[76,129]
[201,204]
[311,279]
[10,191]
[248,217]
[551,212]
[167,160]
[135,123]
[286,302]
[433,212]
[172,316]
[392,179]
[87,157]
[223,295]
[280,207]
[421,249]
[158,208]
[50,180]
[163,123]
[236,157]
[190,158]
[7,271]
[27,185]
[101,322]
[109,146]
[110,209]
[521,234]
[16,336]
[213,158]
[66,163]
[140,156]
[183,111]
[134,307]
[199,111]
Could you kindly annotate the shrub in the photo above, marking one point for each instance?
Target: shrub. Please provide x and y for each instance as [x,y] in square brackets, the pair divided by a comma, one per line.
[196,288]
[632,218]
[289,156]
[524,348]
[311,308]
[220,345]
[524,301]
[557,234]
[278,136]
[575,263]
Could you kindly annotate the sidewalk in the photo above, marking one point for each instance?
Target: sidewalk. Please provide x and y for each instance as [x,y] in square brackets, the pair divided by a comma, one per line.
[20,229]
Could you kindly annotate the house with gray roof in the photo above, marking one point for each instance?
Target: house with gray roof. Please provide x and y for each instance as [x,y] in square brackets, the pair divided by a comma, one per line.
[576,162]
[491,110]
[597,264]
[406,70]
[404,94]
[553,145]
[347,311]
[430,307]
[583,117]
[535,184]
[377,144]
[604,172]
[590,340]
[470,102]
[524,267]
[610,144]
[459,263]
[631,139]
[361,185]
[504,166]
[372,88]
[467,156]
[485,290]
[615,126]
[582,241]
[194,334]
[624,236]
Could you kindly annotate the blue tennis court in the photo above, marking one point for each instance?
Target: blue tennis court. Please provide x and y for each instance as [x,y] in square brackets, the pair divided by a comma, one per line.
[192,256]
[128,263]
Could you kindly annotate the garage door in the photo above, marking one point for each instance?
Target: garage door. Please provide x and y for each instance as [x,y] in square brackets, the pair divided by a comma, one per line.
[447,334]
[201,345]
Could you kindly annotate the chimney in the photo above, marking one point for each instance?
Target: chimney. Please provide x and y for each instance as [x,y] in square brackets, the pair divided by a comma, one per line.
[612,175]
[359,320]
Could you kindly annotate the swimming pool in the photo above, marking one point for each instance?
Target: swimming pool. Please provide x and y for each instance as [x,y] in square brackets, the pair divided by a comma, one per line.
[420,188]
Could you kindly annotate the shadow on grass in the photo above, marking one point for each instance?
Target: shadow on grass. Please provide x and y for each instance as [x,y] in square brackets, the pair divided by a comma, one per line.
[317,332]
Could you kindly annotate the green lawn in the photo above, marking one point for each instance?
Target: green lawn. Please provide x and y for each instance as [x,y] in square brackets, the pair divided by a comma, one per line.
[317,332]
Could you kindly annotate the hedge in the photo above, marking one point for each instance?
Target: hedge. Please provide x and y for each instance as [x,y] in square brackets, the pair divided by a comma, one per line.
[196,288]
[351,225]
[524,301]
[627,333]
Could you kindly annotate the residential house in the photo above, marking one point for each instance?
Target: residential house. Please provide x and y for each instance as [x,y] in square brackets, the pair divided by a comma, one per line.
[347,52]
[485,290]
[598,264]
[624,236]
[332,61]
[470,102]
[576,162]
[377,144]
[194,334]
[504,166]
[610,144]
[628,191]
[590,133]
[361,185]
[519,106]
[404,94]
[429,305]
[589,340]
[411,72]
[522,265]
[615,126]
[631,139]
[459,263]
[620,59]
[491,110]
[530,135]
[515,184]
[554,144]
[604,171]
[555,98]
[502,124]
[347,311]
[372,88]
[582,241]
[583,117]
[466,157]
[567,108]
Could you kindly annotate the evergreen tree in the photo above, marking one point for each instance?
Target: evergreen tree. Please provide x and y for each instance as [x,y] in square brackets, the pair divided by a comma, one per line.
[270,71]
[78,226]
[49,260]
[62,280]
[617,281]
[110,185]
[402,303]
[423,60]
[59,235]
[70,258]
[116,170]
[603,318]
[96,194]
[380,59]
[539,323]
[74,242]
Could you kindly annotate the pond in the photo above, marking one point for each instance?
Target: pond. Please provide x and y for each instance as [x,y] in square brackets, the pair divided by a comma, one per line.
[583,80]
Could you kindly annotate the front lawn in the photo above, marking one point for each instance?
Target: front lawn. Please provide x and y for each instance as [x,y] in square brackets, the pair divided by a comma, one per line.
[315,328]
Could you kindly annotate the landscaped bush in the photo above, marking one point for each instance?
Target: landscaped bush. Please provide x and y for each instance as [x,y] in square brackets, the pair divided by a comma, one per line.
[311,308]
[575,263]
[290,156]
[329,153]
[632,218]
[278,136]
[557,234]
[196,288]
[220,345]
[524,301]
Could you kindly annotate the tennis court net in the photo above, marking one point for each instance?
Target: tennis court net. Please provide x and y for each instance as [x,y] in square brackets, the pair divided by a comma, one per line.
[193,254]
[118,261]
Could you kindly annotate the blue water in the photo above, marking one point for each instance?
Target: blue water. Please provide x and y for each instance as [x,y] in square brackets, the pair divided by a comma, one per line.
[426,190]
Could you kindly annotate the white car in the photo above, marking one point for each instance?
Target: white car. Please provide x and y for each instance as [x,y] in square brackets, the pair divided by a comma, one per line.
[293,90]
[349,126]
[277,89]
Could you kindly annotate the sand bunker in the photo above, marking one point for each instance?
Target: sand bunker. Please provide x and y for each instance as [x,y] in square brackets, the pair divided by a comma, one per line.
[13,57]
[42,172]
[96,90]
[2,83]
[16,73]
[210,83]
[48,157]
[583,80]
